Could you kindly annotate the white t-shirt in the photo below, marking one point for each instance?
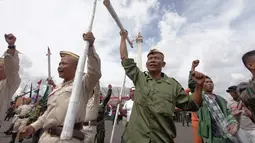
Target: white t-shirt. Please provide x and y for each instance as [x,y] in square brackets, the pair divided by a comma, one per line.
[128,106]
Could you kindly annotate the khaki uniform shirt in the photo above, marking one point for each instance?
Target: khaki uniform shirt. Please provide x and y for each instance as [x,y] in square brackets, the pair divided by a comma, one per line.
[154,104]
[58,99]
[9,86]
[24,109]
[93,105]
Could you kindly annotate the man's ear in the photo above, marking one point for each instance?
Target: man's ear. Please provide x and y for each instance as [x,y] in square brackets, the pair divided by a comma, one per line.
[147,64]
[251,65]
[164,64]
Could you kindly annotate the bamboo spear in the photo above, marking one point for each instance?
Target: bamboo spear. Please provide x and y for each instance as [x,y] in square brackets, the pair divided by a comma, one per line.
[118,108]
[114,15]
[67,131]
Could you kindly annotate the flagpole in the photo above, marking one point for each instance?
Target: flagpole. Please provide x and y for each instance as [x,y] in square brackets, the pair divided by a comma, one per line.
[67,132]
[31,88]
[114,15]
[49,65]
[24,90]
[118,108]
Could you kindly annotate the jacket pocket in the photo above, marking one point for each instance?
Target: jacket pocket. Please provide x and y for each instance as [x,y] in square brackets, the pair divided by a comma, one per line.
[164,106]
[204,129]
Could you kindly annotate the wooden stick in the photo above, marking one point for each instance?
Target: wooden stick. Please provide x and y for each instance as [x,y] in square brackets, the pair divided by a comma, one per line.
[67,132]
[114,15]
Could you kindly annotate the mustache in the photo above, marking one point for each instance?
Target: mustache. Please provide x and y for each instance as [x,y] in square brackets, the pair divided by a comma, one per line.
[60,69]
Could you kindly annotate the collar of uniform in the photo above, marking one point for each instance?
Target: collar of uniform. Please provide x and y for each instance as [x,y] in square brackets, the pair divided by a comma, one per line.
[163,79]
[68,82]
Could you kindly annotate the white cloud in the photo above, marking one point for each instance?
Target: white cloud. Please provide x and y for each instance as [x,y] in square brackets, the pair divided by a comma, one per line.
[216,32]
[214,38]
[237,76]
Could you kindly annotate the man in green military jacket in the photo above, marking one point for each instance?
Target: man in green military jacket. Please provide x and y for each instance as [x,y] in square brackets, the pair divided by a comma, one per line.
[210,127]
[157,95]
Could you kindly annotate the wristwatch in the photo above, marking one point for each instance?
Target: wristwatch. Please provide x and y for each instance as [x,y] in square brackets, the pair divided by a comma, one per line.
[12,47]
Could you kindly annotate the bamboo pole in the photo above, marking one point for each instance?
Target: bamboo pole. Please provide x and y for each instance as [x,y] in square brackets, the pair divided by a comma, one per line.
[67,131]
[114,15]
[117,110]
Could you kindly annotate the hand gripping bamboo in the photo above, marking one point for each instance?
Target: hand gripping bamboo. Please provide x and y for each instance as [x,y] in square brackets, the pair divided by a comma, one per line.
[114,15]
[67,131]
[118,108]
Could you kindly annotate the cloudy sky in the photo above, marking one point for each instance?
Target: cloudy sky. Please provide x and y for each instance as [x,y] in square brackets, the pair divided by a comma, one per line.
[215,32]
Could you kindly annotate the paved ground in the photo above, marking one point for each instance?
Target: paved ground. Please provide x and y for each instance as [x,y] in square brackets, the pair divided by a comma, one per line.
[184,134]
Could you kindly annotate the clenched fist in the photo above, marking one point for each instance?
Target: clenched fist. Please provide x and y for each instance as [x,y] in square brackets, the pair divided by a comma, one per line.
[89,37]
[26,131]
[198,77]
[195,63]
[51,82]
[232,128]
[10,39]
[124,34]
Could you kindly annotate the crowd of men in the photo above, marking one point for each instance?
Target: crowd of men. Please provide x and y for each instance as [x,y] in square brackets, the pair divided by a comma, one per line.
[153,101]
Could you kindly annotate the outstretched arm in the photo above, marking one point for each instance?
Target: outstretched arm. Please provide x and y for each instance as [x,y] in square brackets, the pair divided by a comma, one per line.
[93,65]
[108,96]
[191,82]
[11,66]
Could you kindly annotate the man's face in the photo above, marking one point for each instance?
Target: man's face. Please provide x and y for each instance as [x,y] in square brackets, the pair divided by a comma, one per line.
[208,85]
[28,101]
[67,67]
[155,62]
[233,94]
[2,72]
[132,94]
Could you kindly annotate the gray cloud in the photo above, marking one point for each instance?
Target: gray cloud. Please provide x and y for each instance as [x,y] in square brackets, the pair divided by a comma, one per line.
[215,32]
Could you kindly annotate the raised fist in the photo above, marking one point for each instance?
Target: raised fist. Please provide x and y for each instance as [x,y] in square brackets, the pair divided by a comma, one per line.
[124,34]
[51,82]
[10,39]
[195,63]
[198,77]
[89,37]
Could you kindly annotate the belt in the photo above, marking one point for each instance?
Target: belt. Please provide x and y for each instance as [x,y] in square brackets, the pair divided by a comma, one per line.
[90,123]
[76,132]
[22,117]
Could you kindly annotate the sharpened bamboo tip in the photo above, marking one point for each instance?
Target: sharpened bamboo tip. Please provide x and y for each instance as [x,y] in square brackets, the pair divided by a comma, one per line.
[106,2]
[131,44]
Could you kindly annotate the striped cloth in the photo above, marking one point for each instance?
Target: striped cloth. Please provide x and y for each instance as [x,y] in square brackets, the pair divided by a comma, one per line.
[221,121]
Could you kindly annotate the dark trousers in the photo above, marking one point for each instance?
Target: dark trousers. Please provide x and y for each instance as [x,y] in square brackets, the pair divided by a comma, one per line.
[37,135]
[100,132]
[100,136]
[7,117]
[118,119]
[185,118]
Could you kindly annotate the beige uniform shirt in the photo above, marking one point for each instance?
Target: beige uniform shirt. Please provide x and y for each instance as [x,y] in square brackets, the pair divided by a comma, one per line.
[9,86]
[24,109]
[58,99]
[93,105]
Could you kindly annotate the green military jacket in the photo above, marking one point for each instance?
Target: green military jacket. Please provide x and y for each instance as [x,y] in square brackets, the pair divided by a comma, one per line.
[205,120]
[154,105]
